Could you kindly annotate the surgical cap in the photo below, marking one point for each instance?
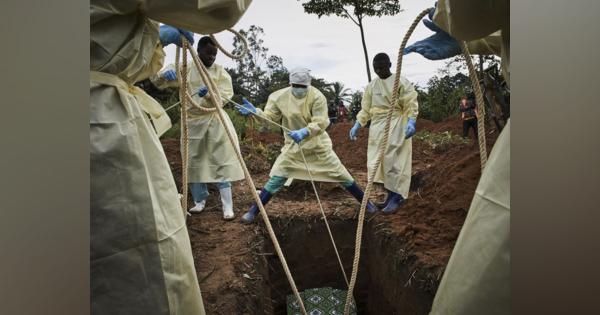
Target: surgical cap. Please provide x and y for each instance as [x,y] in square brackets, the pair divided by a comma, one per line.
[300,76]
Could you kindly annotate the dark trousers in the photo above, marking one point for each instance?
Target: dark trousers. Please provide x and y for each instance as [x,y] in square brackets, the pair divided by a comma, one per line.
[470,123]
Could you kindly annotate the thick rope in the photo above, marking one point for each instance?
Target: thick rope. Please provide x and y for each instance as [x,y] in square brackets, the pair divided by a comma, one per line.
[213,92]
[480,104]
[184,131]
[228,54]
[382,148]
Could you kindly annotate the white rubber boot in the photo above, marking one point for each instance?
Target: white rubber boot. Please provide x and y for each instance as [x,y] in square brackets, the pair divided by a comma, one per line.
[199,207]
[227,201]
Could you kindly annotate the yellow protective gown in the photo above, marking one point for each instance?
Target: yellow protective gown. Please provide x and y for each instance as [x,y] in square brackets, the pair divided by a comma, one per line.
[140,254]
[212,158]
[310,112]
[477,277]
[395,169]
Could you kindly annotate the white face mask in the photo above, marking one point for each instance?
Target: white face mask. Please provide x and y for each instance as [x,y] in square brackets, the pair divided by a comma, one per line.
[299,92]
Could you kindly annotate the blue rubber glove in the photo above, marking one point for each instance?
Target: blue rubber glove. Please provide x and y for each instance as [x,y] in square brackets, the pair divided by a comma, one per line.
[202,91]
[410,127]
[248,108]
[354,131]
[298,135]
[437,46]
[170,75]
[171,35]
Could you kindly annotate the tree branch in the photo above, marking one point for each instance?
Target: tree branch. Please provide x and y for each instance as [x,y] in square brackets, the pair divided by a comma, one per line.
[350,16]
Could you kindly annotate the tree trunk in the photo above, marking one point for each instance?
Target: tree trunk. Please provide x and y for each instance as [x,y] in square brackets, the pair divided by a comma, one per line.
[364,44]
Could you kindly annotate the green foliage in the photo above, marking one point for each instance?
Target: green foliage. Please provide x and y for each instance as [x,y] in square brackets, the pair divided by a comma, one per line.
[440,141]
[322,86]
[172,98]
[257,73]
[338,93]
[355,104]
[442,97]
[458,64]
[359,8]
[445,90]
[174,132]
[278,79]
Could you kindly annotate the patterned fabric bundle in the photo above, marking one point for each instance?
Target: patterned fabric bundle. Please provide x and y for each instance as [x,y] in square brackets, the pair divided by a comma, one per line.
[320,301]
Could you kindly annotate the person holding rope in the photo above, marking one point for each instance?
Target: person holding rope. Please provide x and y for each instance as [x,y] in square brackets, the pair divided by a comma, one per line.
[477,277]
[211,157]
[301,108]
[395,169]
[140,255]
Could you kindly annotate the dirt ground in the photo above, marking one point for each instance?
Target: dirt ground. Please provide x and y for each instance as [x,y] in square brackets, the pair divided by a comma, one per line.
[420,236]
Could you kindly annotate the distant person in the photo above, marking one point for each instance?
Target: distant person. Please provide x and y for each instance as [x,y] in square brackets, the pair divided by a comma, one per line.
[211,159]
[342,112]
[395,169]
[332,113]
[468,115]
[302,109]
[354,111]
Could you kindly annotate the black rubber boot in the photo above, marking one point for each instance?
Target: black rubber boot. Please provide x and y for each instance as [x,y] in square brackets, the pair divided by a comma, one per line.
[396,200]
[358,194]
[265,196]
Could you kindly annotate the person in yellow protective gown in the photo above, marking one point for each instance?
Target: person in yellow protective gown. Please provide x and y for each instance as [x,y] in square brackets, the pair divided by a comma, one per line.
[212,158]
[477,277]
[395,169]
[302,109]
[140,255]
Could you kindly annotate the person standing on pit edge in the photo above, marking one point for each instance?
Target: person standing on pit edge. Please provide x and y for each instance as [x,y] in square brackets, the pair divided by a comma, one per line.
[211,157]
[302,109]
[395,169]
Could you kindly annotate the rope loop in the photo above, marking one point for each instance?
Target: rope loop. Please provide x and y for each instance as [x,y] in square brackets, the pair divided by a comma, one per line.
[230,54]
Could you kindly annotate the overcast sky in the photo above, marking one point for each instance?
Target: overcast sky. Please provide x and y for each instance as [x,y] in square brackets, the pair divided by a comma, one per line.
[331,46]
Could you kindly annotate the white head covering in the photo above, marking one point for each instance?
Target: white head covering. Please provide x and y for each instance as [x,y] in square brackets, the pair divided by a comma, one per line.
[300,76]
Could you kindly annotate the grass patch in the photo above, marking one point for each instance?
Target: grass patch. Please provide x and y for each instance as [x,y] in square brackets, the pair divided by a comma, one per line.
[440,141]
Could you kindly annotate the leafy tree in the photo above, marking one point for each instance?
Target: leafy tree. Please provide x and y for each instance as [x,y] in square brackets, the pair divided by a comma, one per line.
[249,73]
[356,11]
[339,94]
[322,86]
[443,96]
[355,104]
[458,64]
[275,64]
